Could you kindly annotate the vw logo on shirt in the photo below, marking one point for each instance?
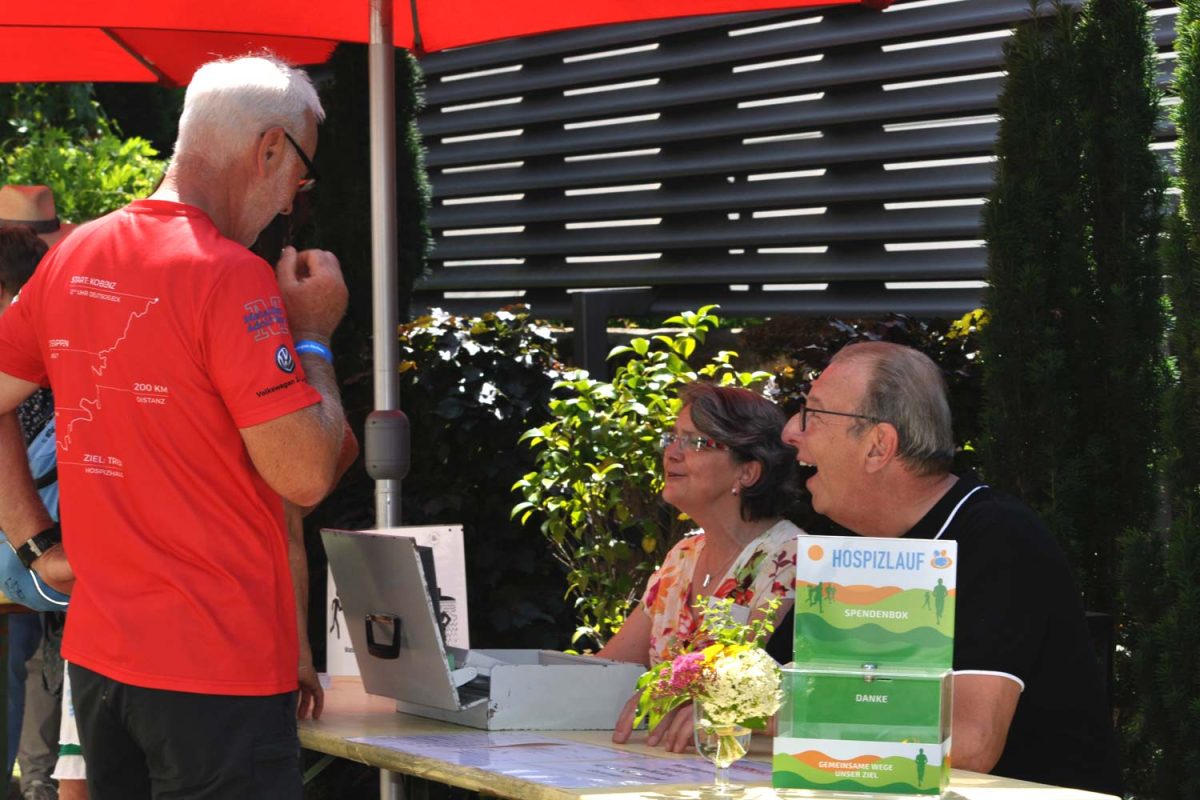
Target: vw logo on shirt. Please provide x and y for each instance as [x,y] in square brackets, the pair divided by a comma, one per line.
[284,360]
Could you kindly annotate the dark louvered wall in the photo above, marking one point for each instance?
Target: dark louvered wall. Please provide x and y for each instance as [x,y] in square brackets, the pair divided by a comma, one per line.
[833,165]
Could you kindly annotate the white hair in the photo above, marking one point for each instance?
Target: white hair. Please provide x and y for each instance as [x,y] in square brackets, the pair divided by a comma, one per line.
[230,101]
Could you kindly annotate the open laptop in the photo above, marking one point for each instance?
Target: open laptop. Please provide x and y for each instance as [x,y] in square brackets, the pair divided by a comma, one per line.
[389,600]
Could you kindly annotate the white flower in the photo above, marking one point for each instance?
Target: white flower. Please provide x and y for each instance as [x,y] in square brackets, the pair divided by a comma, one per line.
[744,686]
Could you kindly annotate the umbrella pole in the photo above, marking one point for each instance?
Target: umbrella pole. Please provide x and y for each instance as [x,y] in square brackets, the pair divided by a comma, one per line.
[384,282]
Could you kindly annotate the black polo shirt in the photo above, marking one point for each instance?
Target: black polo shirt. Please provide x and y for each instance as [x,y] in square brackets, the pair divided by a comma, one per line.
[1019,614]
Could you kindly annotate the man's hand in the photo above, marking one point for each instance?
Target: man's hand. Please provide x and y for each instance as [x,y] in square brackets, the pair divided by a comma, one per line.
[312,694]
[53,568]
[314,292]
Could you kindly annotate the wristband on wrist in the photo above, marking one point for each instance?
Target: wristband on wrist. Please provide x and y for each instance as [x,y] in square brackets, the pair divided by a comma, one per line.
[316,348]
[38,544]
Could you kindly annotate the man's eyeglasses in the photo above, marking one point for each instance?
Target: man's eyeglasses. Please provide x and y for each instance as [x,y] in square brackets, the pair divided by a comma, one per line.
[310,178]
[693,443]
[805,411]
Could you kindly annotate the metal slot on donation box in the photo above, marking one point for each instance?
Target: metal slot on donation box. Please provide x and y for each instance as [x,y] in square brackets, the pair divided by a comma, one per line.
[389,595]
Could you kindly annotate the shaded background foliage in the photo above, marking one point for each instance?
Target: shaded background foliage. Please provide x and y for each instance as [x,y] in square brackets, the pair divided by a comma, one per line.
[1038,297]
[60,136]
[1161,585]
[471,386]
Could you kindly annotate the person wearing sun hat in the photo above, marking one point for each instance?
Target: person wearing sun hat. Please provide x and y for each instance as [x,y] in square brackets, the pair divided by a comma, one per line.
[33,206]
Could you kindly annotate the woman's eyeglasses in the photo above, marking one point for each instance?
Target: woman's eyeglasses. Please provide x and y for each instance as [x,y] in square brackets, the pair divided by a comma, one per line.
[693,443]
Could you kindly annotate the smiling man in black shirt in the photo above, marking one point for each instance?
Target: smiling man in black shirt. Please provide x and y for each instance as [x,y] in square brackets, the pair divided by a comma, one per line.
[1028,695]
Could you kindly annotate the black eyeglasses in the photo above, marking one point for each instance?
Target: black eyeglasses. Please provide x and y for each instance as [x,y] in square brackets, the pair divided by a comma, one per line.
[805,411]
[310,178]
[693,443]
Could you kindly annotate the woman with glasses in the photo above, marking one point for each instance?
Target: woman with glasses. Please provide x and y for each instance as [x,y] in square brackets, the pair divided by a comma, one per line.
[726,467]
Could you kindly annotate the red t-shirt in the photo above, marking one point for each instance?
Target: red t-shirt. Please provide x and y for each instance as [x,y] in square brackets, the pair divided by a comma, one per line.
[161,339]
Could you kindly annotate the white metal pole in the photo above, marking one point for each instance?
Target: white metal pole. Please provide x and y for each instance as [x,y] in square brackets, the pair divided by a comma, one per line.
[384,280]
[391,785]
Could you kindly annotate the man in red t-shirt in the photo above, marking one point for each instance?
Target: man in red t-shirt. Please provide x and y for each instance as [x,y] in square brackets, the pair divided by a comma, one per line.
[194,394]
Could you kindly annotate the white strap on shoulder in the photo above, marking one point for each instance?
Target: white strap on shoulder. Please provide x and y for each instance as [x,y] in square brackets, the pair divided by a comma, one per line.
[959,505]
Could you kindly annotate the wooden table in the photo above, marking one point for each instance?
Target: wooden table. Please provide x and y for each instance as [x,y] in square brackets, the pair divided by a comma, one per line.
[351,713]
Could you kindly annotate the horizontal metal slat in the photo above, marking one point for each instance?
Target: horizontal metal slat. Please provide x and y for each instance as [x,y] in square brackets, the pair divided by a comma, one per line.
[707,89]
[869,145]
[842,25]
[729,50]
[972,180]
[728,121]
[581,40]
[720,50]
[701,149]
[870,302]
[851,264]
[890,226]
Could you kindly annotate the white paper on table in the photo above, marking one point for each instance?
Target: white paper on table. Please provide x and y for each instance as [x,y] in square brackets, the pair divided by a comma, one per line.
[562,763]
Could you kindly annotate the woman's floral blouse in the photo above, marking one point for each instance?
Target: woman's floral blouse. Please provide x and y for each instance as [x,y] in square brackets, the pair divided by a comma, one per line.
[765,568]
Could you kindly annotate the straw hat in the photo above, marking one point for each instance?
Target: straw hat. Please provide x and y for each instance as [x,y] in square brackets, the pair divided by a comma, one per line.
[33,206]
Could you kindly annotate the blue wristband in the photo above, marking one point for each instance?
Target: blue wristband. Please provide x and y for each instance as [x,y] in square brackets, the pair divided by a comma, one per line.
[316,348]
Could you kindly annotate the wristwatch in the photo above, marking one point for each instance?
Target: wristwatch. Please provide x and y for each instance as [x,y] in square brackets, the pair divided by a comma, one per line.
[37,545]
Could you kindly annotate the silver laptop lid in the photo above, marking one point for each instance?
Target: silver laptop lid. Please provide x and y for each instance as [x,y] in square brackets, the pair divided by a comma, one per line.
[390,617]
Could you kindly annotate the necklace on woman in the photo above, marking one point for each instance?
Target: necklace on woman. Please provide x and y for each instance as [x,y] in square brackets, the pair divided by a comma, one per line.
[741,547]
[725,566]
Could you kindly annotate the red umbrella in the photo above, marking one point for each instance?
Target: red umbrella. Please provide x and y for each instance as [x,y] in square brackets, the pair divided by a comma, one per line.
[165,40]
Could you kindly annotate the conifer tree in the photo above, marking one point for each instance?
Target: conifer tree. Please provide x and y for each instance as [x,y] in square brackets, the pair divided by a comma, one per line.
[1038,279]
[1161,587]
[1073,375]
[1123,184]
[1072,371]
[1183,267]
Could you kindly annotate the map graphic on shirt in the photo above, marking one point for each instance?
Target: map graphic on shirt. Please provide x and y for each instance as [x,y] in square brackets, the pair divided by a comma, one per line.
[161,339]
[70,418]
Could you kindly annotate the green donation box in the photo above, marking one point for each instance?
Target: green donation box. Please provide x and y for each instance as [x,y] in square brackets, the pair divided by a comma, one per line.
[868,699]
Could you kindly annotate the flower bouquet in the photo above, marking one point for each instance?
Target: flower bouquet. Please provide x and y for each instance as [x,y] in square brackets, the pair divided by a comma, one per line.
[734,684]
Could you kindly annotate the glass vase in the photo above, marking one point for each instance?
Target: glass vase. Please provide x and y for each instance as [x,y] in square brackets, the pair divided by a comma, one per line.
[722,745]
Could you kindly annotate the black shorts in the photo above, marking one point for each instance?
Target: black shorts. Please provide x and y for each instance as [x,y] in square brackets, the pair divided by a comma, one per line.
[149,743]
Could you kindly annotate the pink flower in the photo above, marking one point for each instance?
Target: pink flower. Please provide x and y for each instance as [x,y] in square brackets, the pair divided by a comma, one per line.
[685,671]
